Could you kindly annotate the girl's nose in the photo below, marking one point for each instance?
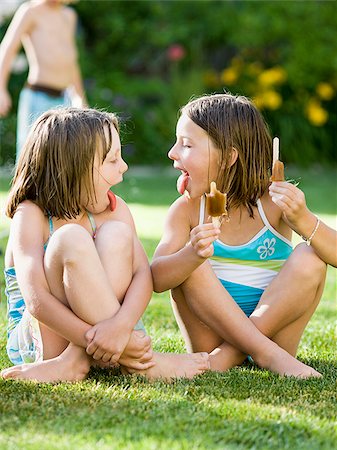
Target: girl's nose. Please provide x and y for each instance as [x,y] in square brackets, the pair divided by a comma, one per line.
[124,167]
[172,154]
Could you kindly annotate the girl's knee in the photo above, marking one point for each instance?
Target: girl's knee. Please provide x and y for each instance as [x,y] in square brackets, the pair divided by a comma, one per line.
[115,236]
[307,264]
[71,241]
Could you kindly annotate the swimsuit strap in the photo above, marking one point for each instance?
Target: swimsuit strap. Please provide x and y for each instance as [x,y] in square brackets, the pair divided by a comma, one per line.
[202,209]
[262,214]
[51,226]
[93,224]
[268,225]
[51,230]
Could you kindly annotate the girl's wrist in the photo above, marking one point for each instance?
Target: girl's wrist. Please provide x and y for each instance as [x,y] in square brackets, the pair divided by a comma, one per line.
[307,225]
[199,259]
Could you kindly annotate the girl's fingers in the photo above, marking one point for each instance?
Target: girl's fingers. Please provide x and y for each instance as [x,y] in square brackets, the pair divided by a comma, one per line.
[106,357]
[115,358]
[98,355]
[91,348]
[146,357]
[137,365]
[205,243]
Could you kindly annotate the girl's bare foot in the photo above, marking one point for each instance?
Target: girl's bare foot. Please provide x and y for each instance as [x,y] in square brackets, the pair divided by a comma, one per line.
[225,357]
[281,362]
[172,365]
[72,365]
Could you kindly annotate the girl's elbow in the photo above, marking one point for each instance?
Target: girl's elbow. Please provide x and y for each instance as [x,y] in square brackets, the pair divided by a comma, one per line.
[34,308]
[157,286]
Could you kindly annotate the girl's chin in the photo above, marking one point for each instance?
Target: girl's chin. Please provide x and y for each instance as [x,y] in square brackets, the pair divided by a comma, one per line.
[98,208]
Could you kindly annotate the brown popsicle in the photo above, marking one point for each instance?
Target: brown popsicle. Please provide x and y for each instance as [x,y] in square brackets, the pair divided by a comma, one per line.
[216,204]
[278,166]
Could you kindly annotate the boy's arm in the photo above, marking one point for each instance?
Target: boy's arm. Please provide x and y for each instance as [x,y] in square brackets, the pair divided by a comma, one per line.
[291,200]
[180,250]
[20,25]
[28,260]
[76,89]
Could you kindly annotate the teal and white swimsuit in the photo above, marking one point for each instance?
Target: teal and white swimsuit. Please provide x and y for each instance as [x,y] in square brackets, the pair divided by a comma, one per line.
[24,341]
[246,270]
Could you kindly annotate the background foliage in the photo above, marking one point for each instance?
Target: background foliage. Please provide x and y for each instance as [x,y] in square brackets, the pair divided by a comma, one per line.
[145,59]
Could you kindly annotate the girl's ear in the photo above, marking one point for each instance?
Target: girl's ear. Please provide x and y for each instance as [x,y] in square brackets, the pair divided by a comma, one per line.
[234,156]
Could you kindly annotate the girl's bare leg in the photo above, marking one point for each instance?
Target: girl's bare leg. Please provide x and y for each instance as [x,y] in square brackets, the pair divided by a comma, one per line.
[282,314]
[76,277]
[84,277]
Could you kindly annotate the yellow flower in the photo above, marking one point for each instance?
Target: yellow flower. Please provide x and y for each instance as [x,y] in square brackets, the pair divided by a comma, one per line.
[325,91]
[229,75]
[272,100]
[275,75]
[317,115]
[258,101]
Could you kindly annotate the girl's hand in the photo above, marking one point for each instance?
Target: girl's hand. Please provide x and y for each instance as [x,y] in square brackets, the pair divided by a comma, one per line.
[107,340]
[138,353]
[291,201]
[202,238]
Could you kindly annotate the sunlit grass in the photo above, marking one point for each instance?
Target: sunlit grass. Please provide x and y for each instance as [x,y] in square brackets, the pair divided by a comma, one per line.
[244,408]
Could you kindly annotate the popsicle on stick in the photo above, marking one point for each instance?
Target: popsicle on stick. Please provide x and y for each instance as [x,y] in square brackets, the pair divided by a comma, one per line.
[278,166]
[216,204]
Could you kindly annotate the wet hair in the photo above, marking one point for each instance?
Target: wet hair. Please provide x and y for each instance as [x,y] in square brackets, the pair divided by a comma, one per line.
[234,122]
[56,165]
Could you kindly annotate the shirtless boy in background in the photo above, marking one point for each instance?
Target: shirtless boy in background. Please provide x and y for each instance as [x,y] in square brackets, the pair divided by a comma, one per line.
[46,30]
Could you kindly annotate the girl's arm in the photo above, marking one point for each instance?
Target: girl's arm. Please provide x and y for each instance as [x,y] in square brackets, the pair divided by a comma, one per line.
[180,250]
[139,292]
[27,236]
[20,25]
[291,201]
[118,328]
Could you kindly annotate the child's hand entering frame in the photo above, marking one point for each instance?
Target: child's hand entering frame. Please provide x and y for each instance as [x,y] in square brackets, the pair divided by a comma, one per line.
[202,238]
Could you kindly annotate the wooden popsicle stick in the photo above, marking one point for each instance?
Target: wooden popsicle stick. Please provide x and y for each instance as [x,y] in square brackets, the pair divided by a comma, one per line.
[276,149]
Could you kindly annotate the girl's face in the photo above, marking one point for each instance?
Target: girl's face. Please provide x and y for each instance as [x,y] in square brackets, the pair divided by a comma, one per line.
[107,174]
[195,155]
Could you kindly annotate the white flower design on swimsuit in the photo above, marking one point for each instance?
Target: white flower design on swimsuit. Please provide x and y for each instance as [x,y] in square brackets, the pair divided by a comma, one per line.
[267,249]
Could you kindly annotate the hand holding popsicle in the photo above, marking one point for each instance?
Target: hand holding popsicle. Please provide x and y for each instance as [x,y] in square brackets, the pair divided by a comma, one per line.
[216,204]
[278,166]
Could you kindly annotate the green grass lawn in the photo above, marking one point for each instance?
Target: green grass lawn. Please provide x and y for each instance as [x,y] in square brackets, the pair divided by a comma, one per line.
[244,408]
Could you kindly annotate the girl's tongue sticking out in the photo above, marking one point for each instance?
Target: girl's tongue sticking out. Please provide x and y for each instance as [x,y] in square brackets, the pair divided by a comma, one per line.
[182,183]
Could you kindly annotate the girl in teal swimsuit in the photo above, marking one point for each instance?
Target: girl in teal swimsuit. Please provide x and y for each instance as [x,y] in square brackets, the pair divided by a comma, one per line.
[237,289]
[77,277]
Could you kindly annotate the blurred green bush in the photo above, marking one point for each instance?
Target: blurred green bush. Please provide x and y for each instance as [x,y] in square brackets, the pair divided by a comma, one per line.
[145,59]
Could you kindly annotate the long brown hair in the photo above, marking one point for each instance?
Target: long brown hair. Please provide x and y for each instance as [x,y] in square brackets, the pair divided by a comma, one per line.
[234,122]
[57,160]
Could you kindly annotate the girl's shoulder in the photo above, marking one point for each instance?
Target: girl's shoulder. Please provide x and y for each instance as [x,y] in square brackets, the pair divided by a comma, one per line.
[29,215]
[186,208]
[28,207]
[274,215]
